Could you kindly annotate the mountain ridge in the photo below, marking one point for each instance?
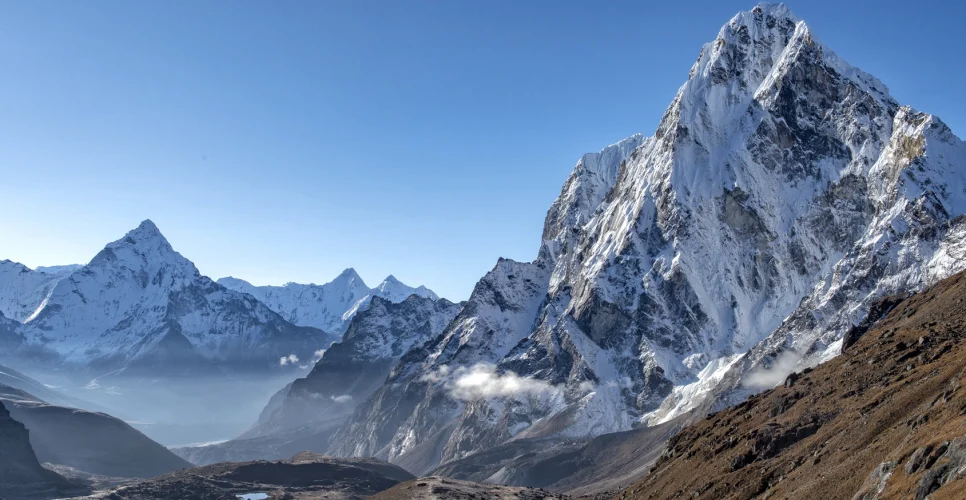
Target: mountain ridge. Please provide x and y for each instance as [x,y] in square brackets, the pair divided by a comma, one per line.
[330,306]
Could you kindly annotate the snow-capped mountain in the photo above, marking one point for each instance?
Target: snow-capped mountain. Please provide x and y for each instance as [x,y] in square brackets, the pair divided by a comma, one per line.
[331,306]
[140,303]
[350,370]
[783,192]
[22,289]
[307,411]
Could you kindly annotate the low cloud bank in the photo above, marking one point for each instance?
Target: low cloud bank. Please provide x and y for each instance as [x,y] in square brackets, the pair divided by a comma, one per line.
[766,378]
[482,381]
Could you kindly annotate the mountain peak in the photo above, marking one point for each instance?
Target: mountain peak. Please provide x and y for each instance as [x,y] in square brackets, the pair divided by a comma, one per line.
[394,290]
[14,265]
[148,225]
[233,281]
[349,274]
[777,10]
[146,230]
[763,17]
[755,47]
[746,48]
[141,245]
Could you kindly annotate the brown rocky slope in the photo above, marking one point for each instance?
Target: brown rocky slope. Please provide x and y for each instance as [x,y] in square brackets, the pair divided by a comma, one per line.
[886,419]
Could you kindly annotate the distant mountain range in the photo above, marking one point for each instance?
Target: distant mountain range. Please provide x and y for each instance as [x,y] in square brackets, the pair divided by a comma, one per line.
[330,306]
[142,307]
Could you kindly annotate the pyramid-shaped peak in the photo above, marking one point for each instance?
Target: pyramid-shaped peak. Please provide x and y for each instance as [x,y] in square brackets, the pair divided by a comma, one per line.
[757,47]
[349,275]
[763,17]
[146,230]
[349,272]
[143,244]
[774,10]
[422,291]
[768,26]
[393,286]
[148,225]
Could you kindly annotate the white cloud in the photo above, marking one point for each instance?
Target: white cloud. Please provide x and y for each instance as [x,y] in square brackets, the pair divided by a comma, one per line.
[437,375]
[345,398]
[481,381]
[291,359]
[766,378]
[93,385]
[318,355]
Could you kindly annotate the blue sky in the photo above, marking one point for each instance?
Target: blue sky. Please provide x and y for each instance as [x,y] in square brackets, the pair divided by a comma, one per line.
[286,141]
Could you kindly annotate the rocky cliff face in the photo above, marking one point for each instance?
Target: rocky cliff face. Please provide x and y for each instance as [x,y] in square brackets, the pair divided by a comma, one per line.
[140,305]
[21,475]
[783,192]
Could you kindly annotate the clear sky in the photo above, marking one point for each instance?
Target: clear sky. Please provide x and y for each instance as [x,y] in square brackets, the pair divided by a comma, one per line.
[286,141]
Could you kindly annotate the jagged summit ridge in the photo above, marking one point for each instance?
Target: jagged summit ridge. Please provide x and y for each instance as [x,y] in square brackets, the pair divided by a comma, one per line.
[753,47]
[330,306]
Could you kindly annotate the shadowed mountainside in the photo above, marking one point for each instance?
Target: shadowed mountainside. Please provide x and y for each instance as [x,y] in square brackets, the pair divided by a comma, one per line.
[303,476]
[91,442]
[21,475]
[578,467]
